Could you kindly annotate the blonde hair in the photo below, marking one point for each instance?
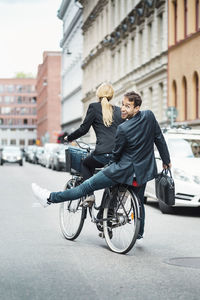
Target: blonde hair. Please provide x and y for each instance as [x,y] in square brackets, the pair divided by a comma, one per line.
[105,93]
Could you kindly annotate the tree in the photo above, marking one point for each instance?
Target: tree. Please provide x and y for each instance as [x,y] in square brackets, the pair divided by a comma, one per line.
[23,75]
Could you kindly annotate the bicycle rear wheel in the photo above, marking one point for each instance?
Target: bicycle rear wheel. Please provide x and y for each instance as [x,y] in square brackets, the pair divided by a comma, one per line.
[72,215]
[122,221]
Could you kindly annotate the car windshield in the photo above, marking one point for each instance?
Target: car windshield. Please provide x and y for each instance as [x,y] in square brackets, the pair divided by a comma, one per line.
[182,148]
[11,149]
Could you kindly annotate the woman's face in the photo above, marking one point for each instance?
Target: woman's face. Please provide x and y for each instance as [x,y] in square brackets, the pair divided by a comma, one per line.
[127,109]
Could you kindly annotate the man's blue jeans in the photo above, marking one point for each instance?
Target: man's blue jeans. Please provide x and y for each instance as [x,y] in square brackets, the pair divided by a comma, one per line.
[97,182]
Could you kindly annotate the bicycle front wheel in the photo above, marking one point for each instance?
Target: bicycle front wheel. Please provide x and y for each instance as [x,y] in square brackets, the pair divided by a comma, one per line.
[72,216]
[122,221]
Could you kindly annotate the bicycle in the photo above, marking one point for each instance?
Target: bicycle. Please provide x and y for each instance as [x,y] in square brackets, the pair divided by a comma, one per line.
[118,217]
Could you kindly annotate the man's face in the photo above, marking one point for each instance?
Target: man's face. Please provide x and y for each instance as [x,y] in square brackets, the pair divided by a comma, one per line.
[127,109]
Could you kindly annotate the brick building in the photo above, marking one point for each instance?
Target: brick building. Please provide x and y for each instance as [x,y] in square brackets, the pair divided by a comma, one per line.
[184,60]
[17,111]
[48,99]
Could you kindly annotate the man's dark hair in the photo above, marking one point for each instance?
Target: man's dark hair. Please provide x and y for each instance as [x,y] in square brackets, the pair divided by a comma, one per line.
[134,97]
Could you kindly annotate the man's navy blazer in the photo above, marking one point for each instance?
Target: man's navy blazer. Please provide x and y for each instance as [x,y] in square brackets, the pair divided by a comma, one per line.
[133,153]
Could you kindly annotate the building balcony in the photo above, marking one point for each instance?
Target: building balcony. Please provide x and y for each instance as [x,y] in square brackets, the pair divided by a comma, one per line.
[19,126]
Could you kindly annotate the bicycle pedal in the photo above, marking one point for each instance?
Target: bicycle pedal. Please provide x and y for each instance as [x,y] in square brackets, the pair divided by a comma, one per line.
[101,235]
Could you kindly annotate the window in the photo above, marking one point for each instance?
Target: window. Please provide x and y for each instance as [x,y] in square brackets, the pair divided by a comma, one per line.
[21,142]
[4,142]
[175,21]
[196,84]
[185,97]
[119,10]
[5,110]
[125,58]
[10,88]
[25,121]
[33,100]
[160,32]
[19,99]
[119,63]
[160,99]
[197,15]
[19,88]
[13,142]
[7,99]
[150,92]
[140,47]
[1,88]
[133,52]
[28,88]
[174,94]
[185,17]
[31,142]
[149,40]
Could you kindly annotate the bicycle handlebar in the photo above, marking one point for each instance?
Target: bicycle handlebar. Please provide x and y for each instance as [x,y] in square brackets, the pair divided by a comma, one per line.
[87,148]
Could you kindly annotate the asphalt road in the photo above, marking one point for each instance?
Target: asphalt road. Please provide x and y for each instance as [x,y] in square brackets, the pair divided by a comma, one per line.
[36,262]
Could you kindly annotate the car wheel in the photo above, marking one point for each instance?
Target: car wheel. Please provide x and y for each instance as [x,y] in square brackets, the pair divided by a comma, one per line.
[165,209]
[21,163]
[145,200]
[58,166]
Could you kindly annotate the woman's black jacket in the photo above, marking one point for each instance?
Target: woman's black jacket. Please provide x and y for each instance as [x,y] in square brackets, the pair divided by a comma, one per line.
[105,136]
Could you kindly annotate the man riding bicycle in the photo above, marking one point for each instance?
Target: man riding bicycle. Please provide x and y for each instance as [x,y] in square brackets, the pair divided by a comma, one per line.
[133,157]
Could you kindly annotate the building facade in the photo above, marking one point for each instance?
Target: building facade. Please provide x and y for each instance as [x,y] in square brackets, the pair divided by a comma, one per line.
[71,76]
[18,117]
[125,43]
[48,88]
[184,60]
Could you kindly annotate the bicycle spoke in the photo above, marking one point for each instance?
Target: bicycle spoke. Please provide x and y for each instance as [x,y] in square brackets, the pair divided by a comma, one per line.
[126,225]
[71,216]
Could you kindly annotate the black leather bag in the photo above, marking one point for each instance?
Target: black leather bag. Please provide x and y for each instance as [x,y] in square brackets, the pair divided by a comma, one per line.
[165,187]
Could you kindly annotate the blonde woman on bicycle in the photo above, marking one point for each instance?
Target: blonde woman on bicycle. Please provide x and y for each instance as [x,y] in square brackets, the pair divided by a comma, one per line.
[104,118]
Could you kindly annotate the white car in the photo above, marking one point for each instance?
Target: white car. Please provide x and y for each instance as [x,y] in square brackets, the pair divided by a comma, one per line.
[45,158]
[184,148]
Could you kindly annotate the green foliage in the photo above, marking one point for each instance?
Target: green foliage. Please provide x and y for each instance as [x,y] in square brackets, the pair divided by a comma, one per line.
[23,75]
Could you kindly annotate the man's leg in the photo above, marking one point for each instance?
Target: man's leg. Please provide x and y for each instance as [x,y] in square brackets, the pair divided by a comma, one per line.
[140,194]
[97,182]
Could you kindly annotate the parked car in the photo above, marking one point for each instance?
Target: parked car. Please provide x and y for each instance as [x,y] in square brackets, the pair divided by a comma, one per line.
[31,154]
[45,157]
[12,154]
[57,159]
[37,155]
[184,148]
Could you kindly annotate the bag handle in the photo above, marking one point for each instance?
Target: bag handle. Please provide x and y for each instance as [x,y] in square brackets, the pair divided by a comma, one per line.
[165,171]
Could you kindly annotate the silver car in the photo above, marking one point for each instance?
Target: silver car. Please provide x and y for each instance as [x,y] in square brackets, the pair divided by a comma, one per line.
[12,154]
[184,148]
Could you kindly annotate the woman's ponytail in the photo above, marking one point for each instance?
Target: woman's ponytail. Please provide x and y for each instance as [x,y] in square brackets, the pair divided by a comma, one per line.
[105,93]
[107,112]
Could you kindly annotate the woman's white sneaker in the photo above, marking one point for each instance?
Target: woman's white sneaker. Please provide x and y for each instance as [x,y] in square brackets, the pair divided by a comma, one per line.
[41,194]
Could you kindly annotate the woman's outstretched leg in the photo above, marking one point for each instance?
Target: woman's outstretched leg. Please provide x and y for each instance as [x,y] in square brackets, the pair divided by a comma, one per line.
[97,182]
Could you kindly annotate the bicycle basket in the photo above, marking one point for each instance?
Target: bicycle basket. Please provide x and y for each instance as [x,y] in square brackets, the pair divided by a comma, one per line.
[74,157]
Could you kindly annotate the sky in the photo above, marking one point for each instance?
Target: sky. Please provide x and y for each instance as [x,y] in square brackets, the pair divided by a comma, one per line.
[27,29]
